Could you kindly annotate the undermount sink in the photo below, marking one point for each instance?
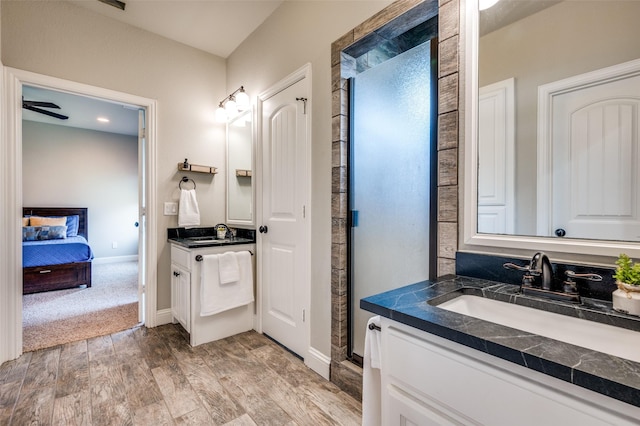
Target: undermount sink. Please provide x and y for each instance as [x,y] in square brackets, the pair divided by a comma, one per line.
[616,341]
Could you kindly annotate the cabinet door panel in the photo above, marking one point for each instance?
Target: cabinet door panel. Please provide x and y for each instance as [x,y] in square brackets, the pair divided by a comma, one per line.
[406,411]
[180,296]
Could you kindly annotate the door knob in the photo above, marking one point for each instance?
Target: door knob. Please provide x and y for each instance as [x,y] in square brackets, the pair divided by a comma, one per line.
[263,229]
[560,232]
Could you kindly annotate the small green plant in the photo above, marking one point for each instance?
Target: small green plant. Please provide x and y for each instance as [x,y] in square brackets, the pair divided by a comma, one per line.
[627,271]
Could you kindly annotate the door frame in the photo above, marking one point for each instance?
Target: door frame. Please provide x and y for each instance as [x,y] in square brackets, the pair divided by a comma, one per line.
[302,73]
[11,302]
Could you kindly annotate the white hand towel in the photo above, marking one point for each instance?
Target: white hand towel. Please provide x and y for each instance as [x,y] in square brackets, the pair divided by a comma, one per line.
[371,386]
[214,297]
[188,211]
[229,270]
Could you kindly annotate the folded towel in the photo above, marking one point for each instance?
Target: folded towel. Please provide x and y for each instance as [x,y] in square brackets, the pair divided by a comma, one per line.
[229,270]
[188,212]
[214,297]
[371,386]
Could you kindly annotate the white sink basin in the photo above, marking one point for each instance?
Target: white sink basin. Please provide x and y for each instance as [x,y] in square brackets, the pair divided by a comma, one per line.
[604,338]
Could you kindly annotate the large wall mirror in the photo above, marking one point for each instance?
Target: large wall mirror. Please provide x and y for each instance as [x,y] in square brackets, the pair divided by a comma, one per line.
[553,129]
[240,160]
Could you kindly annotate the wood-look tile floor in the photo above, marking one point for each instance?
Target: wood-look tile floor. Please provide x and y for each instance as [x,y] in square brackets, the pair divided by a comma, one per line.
[153,377]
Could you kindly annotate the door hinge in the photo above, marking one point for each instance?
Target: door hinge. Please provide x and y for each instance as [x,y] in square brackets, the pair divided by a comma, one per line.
[304,212]
[303,315]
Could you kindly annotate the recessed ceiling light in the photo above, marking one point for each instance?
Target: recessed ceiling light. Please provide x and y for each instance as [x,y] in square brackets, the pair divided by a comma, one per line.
[103,119]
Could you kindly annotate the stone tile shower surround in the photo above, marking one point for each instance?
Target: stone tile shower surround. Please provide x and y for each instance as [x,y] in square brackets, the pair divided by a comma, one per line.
[342,66]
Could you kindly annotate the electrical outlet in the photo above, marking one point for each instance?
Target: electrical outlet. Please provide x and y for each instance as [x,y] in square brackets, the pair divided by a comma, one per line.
[170,209]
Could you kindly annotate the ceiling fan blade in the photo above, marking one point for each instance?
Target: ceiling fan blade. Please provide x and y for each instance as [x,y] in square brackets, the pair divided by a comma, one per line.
[45,112]
[115,3]
[41,104]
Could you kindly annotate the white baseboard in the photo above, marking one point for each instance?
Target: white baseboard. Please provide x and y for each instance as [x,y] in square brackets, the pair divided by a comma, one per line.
[115,259]
[163,316]
[318,362]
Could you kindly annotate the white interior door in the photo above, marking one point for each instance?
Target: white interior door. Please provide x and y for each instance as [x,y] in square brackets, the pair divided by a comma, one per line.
[596,161]
[284,227]
[496,169]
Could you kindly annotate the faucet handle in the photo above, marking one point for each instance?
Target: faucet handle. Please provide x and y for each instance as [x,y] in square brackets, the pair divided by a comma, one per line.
[590,277]
[509,265]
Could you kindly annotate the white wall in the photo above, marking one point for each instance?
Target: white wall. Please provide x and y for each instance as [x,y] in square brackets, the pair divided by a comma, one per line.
[59,39]
[68,167]
[295,34]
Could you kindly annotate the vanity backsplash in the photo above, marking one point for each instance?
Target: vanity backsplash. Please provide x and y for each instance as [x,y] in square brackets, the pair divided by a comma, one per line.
[490,267]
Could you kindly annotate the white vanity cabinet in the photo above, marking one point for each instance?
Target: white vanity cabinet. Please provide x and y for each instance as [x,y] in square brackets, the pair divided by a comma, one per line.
[428,380]
[185,297]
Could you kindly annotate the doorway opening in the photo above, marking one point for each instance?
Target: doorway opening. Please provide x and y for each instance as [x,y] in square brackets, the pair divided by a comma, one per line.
[11,303]
[99,141]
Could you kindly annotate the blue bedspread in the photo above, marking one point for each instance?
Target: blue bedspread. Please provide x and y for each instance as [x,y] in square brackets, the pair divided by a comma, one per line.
[55,252]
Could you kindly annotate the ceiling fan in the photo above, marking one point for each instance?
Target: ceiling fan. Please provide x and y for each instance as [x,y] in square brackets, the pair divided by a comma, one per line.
[37,106]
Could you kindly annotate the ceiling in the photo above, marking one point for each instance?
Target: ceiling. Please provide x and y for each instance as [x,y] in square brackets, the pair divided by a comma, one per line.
[215,26]
[507,12]
[82,111]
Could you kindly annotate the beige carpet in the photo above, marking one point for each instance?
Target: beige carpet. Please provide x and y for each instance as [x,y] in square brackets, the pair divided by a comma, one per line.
[109,305]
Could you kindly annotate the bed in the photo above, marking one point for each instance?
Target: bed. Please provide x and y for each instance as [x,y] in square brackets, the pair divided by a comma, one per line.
[56,263]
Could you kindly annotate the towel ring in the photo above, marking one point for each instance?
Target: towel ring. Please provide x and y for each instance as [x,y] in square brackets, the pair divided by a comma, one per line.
[186,179]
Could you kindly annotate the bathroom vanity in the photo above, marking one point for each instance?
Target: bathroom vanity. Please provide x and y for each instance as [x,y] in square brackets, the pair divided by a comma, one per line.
[443,367]
[187,249]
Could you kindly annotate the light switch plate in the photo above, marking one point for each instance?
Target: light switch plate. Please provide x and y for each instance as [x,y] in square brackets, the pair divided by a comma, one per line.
[170,209]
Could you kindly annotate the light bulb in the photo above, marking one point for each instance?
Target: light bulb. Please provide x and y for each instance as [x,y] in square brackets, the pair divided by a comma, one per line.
[242,101]
[221,115]
[231,108]
[486,4]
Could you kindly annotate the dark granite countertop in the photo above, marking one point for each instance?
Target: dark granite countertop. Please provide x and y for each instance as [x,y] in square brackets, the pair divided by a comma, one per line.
[202,237]
[606,374]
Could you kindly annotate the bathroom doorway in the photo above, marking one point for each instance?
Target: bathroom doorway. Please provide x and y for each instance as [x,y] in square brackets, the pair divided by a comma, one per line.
[392,172]
[110,191]
[11,330]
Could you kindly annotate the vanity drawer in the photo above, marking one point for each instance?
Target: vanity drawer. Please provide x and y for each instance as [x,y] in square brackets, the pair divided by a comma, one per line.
[181,257]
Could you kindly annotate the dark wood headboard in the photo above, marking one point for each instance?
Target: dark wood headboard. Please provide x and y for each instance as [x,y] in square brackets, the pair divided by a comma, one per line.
[83,224]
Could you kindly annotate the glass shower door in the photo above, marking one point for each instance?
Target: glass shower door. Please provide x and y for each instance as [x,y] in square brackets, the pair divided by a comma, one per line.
[390,184]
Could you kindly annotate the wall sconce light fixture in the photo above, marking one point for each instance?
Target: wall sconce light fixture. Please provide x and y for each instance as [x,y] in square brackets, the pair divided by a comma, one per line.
[230,106]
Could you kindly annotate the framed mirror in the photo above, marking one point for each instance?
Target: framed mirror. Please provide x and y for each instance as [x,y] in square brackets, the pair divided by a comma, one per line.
[240,161]
[552,153]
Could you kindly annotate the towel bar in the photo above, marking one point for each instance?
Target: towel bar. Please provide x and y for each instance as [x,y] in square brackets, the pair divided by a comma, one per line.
[199,256]
[374,327]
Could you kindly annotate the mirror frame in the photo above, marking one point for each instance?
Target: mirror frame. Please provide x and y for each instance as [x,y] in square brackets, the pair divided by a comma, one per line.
[236,222]
[471,239]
